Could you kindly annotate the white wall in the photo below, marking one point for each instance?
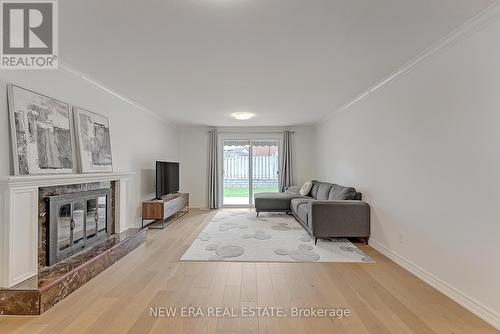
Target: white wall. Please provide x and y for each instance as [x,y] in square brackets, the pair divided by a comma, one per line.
[425,151]
[193,156]
[304,152]
[193,159]
[138,138]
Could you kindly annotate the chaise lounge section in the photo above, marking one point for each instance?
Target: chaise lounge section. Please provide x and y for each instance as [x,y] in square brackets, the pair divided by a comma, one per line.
[329,210]
[276,202]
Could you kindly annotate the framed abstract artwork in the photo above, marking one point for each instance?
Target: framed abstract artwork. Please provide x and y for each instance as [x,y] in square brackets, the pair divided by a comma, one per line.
[41,133]
[93,141]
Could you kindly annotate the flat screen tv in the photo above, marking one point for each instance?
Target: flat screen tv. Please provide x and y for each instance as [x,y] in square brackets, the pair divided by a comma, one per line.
[167,178]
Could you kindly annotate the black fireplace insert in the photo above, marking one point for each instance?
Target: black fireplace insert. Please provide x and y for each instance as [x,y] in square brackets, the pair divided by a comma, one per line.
[77,221]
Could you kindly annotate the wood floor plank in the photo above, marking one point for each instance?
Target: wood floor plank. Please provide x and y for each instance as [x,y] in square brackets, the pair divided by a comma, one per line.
[316,293]
[86,318]
[383,297]
[249,283]
[214,298]
[266,298]
[283,298]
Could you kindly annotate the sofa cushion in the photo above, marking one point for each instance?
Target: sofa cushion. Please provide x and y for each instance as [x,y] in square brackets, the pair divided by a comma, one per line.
[323,191]
[340,193]
[296,202]
[314,189]
[303,213]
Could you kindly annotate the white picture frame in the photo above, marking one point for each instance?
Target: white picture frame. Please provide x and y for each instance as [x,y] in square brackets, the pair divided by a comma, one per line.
[93,141]
[41,133]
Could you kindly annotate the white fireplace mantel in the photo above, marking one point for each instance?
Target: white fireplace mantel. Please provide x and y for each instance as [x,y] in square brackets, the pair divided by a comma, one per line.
[62,179]
[19,218]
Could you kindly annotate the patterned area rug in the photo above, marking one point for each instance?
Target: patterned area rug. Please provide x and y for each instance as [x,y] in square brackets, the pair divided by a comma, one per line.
[239,236]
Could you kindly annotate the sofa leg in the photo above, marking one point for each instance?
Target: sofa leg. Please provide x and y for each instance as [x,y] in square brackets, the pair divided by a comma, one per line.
[316,241]
[257,214]
[366,241]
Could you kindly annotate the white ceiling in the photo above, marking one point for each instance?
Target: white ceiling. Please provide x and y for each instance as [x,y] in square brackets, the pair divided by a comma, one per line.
[288,61]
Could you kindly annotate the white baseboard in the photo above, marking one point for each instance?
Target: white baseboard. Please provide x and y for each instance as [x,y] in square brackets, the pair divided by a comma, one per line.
[199,206]
[135,225]
[470,304]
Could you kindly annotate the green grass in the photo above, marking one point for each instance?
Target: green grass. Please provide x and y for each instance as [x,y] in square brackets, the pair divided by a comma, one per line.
[243,192]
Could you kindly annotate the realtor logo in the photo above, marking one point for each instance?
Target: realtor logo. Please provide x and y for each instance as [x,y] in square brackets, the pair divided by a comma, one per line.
[29,34]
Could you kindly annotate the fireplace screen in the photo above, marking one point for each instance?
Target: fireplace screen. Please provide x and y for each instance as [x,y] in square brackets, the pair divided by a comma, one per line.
[77,221]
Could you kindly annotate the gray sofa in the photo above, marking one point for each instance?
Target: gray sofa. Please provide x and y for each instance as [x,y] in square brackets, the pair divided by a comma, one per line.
[329,210]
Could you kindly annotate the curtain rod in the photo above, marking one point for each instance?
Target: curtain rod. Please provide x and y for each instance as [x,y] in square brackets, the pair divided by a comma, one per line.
[250,131]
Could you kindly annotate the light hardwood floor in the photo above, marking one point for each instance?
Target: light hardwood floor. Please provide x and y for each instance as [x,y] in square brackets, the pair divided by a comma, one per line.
[382,297]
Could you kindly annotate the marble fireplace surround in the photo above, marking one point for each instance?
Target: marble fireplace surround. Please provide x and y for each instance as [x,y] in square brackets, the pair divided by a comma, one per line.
[19,224]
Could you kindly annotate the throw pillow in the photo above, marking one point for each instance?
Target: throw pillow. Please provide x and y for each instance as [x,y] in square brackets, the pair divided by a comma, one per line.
[306,188]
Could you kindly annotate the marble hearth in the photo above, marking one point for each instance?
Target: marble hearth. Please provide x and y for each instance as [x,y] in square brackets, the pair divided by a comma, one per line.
[27,284]
[38,294]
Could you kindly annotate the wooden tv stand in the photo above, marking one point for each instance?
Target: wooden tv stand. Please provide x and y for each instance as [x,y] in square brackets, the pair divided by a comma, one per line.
[166,210]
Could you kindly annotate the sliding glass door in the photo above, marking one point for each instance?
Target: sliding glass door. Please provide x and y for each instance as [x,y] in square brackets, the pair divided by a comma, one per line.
[236,169]
[249,166]
[265,167]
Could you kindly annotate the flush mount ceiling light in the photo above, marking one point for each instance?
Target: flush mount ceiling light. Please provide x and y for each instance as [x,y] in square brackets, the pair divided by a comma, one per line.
[242,116]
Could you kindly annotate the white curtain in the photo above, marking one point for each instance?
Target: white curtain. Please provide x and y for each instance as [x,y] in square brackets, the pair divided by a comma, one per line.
[213,171]
[286,177]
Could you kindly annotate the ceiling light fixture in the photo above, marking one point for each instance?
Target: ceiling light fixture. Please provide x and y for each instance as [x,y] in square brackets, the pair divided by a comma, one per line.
[243,116]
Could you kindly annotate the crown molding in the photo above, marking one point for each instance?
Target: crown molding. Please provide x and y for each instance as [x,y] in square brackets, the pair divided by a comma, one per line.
[477,23]
[70,70]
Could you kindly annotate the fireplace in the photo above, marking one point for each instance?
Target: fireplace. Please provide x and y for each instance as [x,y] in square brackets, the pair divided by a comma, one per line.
[85,209]
[77,221]
[24,219]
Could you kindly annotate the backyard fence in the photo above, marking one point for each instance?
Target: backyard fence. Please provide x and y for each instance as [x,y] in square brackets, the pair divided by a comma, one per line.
[263,168]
